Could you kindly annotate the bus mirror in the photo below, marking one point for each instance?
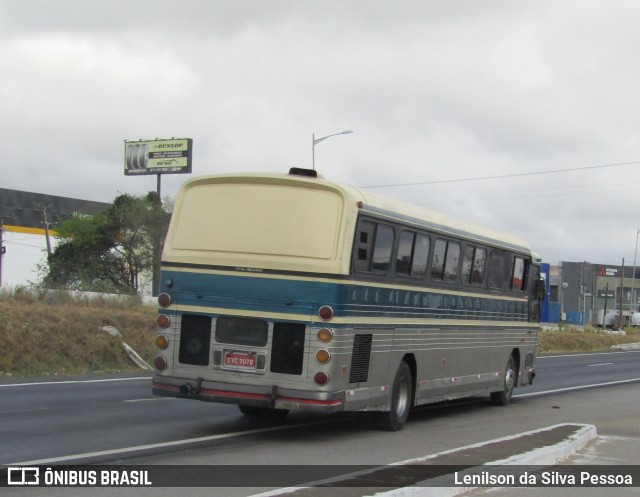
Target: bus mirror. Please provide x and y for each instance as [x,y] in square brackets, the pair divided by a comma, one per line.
[540,289]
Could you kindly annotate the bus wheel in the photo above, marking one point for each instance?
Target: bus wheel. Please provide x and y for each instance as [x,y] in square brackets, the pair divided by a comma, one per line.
[396,417]
[503,397]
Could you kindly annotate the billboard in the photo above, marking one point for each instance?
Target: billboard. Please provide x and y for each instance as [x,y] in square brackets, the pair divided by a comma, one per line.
[158,156]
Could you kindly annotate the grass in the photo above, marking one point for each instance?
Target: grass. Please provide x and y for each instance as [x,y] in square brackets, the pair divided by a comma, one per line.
[589,339]
[54,333]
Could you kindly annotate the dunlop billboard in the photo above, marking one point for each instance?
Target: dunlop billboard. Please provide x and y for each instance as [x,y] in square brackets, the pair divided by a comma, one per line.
[158,156]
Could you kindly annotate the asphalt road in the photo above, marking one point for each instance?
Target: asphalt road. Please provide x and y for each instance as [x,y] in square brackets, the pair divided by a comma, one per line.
[87,420]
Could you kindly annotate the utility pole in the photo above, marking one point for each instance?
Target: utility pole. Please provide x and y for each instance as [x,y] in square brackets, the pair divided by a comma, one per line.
[604,315]
[2,247]
[620,323]
[46,230]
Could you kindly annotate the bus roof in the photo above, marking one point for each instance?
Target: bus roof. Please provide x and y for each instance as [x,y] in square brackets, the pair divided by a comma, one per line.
[393,209]
[344,203]
[439,222]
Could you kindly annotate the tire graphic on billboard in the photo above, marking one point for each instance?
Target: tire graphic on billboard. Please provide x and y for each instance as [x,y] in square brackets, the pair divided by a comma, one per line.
[137,156]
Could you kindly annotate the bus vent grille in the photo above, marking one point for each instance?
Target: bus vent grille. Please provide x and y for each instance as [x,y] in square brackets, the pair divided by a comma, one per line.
[195,340]
[360,358]
[287,348]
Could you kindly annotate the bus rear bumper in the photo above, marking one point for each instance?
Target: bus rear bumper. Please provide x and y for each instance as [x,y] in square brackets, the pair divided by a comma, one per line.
[227,393]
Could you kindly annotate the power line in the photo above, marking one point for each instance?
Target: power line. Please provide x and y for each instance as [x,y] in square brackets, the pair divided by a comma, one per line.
[514,175]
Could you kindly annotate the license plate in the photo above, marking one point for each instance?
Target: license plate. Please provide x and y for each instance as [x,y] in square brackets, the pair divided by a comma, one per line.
[240,360]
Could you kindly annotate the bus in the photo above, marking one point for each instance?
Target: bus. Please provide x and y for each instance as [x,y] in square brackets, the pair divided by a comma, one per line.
[289,291]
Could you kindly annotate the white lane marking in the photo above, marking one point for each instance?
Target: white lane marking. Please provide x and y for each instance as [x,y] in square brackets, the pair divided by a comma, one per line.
[588,354]
[601,364]
[71,382]
[151,400]
[160,445]
[581,387]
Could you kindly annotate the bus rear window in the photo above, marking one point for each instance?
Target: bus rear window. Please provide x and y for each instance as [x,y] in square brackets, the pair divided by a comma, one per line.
[242,331]
[261,220]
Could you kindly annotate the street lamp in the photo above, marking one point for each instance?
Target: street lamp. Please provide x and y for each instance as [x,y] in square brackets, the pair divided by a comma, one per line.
[564,286]
[315,141]
[633,276]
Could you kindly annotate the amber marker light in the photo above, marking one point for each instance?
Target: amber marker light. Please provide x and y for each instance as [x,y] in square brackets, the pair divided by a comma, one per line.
[323,356]
[162,342]
[163,320]
[325,335]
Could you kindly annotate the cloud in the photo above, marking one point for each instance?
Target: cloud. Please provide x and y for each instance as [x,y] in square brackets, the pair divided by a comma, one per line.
[433,91]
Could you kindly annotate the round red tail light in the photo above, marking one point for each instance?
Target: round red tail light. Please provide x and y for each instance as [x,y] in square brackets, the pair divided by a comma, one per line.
[325,312]
[164,299]
[321,378]
[160,362]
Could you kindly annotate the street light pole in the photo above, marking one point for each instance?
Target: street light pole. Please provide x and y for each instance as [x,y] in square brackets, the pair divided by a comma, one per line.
[315,141]
[633,275]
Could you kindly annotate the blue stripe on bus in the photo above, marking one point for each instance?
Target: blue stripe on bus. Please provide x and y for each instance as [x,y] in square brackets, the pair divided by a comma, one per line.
[301,298]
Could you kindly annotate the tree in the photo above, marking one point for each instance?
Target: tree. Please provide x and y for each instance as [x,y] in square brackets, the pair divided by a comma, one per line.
[109,251]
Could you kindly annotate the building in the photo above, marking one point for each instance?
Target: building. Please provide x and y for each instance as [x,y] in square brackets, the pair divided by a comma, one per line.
[585,293]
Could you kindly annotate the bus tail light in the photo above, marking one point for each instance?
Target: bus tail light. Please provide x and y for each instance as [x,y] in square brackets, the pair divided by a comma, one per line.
[321,378]
[323,356]
[164,299]
[160,362]
[325,312]
[163,320]
[162,342]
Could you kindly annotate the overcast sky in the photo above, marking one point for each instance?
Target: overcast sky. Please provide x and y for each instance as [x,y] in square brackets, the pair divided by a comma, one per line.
[496,93]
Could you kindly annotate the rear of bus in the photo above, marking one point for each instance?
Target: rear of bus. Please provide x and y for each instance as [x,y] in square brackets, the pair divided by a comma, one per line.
[249,277]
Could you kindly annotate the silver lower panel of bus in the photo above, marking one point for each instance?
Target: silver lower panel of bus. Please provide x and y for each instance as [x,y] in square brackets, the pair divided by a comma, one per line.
[249,395]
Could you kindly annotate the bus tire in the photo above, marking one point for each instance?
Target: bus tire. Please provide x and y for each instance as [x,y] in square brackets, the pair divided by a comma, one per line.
[401,394]
[503,397]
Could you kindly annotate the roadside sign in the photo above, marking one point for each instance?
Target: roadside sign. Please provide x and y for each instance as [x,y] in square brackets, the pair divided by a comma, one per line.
[158,156]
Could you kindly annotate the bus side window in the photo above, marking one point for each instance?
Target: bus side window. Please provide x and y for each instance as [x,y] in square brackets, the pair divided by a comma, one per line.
[445,262]
[383,246]
[473,265]
[420,255]
[518,280]
[413,254]
[496,272]
[437,263]
[405,251]
[451,264]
